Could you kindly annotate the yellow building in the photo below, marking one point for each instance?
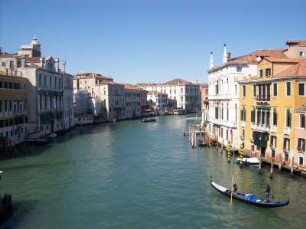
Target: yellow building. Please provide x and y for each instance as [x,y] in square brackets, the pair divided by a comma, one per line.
[13,110]
[268,102]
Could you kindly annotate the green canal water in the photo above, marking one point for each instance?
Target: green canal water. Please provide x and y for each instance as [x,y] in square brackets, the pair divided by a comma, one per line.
[140,175]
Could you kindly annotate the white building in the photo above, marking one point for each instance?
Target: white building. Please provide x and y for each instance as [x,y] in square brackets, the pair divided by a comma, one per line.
[86,91]
[112,97]
[135,101]
[186,94]
[49,91]
[158,100]
[223,92]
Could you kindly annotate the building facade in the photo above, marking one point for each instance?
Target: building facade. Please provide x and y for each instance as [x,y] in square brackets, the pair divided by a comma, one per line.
[48,86]
[300,136]
[223,93]
[186,94]
[268,121]
[135,101]
[13,110]
[86,91]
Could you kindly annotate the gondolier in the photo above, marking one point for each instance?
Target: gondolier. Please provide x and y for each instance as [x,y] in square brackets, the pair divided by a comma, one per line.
[267,192]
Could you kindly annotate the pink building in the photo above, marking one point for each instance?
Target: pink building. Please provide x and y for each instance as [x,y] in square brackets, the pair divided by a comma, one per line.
[300,136]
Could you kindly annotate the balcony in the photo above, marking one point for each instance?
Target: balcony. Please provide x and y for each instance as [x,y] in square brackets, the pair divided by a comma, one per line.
[263,99]
[273,129]
[287,130]
[260,127]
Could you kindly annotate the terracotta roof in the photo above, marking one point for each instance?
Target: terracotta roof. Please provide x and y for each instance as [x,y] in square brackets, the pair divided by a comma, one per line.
[178,82]
[7,55]
[253,56]
[301,109]
[91,75]
[33,59]
[282,60]
[147,84]
[296,42]
[298,69]
[203,85]
[133,87]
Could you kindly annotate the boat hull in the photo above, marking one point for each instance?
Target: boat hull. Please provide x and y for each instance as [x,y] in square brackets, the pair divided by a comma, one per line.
[253,161]
[249,198]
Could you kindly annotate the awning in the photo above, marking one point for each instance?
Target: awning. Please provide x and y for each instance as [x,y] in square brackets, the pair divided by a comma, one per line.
[263,107]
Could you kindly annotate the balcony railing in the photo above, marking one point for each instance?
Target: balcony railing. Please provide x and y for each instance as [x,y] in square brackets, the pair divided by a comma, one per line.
[287,130]
[263,98]
[273,129]
[260,127]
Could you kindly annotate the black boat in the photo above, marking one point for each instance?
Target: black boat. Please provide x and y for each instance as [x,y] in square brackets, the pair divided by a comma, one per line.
[249,197]
[149,119]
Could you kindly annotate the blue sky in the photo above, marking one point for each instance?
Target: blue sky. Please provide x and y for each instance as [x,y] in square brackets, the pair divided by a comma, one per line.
[149,40]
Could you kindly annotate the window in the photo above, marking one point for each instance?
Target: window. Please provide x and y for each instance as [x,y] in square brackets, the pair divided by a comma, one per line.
[261,73]
[302,121]
[254,90]
[243,114]
[236,113]
[268,72]
[3,64]
[236,89]
[301,53]
[275,89]
[273,141]
[238,69]
[253,115]
[274,121]
[216,112]
[217,88]
[288,118]
[288,88]
[11,64]
[301,145]
[227,113]
[222,112]
[301,161]
[286,144]
[301,89]
[243,90]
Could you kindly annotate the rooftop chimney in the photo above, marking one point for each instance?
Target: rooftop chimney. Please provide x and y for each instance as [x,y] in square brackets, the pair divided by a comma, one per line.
[56,64]
[228,56]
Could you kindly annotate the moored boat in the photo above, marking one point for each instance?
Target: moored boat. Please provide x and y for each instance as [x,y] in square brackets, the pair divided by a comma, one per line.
[249,197]
[248,161]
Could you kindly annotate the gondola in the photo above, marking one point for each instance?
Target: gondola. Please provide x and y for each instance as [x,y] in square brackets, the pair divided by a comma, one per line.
[249,197]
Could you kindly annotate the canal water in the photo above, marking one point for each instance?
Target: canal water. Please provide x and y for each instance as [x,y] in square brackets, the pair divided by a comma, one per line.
[140,175]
